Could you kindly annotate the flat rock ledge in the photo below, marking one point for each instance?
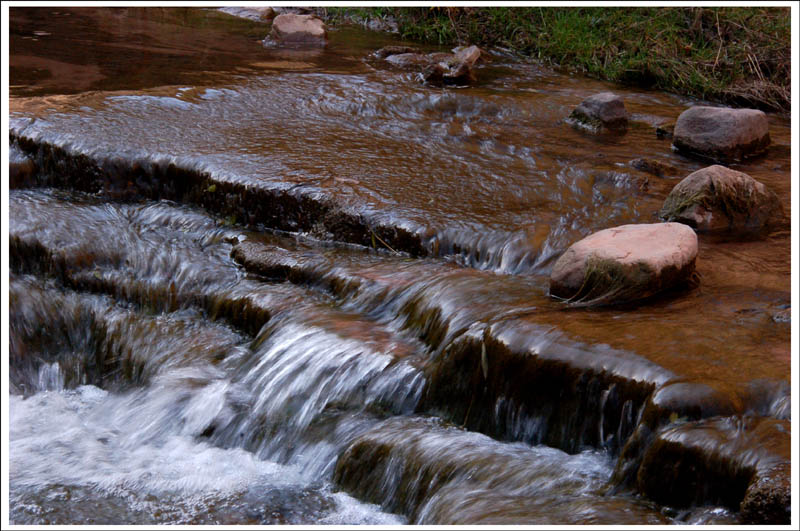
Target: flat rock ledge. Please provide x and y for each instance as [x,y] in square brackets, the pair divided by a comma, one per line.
[294,29]
[739,462]
[718,199]
[625,264]
[600,111]
[721,134]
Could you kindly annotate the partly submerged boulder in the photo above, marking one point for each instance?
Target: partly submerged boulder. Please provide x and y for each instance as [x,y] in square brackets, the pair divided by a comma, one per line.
[721,134]
[408,59]
[436,68]
[604,110]
[625,263]
[717,198]
[294,29]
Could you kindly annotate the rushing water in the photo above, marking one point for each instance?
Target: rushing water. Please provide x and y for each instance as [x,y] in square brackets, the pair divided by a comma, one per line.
[259,285]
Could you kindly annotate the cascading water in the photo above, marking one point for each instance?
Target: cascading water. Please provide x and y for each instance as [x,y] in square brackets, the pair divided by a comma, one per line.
[255,285]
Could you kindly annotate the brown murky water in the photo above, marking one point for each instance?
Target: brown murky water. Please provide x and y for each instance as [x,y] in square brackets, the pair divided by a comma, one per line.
[160,294]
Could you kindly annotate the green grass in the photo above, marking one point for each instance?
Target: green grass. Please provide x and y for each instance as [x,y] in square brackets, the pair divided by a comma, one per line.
[736,55]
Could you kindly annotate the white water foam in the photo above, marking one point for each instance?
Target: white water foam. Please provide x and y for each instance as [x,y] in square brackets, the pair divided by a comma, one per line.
[138,452]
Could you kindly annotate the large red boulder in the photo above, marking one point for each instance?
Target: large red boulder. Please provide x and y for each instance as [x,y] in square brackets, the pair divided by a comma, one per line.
[625,263]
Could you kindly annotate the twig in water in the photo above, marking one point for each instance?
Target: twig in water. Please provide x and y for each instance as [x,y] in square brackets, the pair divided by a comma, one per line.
[383,242]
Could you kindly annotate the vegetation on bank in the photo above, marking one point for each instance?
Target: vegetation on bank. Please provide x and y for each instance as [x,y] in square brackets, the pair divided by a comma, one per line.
[735,55]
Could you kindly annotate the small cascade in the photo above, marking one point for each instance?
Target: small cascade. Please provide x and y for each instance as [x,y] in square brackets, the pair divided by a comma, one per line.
[257,286]
[311,380]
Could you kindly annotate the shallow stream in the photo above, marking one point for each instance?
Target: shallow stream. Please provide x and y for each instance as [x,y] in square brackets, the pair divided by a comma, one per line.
[259,285]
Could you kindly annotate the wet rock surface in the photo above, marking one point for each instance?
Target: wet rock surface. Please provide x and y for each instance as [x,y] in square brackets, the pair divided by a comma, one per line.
[721,134]
[655,167]
[424,465]
[298,30]
[604,110]
[21,168]
[436,68]
[741,460]
[624,264]
[340,249]
[717,198]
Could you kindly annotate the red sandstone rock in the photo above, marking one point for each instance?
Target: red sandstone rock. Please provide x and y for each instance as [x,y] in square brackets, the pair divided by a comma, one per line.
[625,263]
[467,55]
[290,28]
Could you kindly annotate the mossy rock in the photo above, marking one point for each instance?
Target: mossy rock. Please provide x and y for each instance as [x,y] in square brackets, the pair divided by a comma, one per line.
[717,198]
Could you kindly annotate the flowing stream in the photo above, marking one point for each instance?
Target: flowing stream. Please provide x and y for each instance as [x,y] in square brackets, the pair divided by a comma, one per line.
[257,285]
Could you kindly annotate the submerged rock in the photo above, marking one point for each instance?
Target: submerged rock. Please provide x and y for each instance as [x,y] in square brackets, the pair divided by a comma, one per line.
[388,51]
[438,474]
[604,110]
[408,59]
[625,263]
[717,198]
[654,167]
[290,28]
[721,134]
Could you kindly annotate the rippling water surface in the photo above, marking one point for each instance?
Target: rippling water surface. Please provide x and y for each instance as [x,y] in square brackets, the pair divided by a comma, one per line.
[157,376]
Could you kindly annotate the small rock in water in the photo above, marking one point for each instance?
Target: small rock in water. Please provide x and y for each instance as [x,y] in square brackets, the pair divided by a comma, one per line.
[604,110]
[437,68]
[717,198]
[721,134]
[290,28]
[625,263]
[654,167]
